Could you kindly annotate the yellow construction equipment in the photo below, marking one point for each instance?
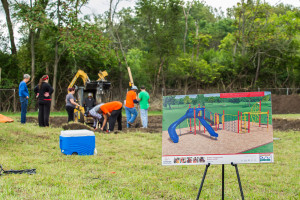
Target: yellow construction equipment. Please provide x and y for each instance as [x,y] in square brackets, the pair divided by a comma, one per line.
[98,88]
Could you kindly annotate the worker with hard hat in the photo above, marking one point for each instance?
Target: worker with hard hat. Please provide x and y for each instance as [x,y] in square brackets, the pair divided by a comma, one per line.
[89,102]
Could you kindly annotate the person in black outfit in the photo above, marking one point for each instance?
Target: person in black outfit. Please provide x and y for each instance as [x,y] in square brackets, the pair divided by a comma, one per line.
[44,91]
[89,102]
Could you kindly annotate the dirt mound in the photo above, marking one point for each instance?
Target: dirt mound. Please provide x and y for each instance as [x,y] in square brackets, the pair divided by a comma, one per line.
[285,104]
[154,124]
[76,126]
[32,120]
[286,124]
[54,121]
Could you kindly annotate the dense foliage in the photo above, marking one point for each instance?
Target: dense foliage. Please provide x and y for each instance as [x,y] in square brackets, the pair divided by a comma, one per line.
[166,43]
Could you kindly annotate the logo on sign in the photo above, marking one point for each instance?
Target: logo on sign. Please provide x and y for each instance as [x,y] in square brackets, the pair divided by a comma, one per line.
[265,158]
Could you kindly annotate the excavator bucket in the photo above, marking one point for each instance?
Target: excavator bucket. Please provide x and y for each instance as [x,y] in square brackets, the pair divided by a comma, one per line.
[4,119]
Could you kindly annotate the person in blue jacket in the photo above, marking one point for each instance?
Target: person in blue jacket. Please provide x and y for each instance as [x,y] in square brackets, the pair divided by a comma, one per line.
[24,96]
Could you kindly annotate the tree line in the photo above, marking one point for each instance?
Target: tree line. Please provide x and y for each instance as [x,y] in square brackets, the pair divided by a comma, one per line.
[166,43]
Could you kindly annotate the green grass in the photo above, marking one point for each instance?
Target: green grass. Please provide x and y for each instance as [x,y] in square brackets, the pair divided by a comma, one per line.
[287,116]
[136,160]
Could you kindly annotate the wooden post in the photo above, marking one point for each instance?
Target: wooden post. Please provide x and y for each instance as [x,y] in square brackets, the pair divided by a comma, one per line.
[130,77]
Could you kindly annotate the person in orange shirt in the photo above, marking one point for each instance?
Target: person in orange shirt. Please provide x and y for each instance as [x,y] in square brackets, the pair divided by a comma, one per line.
[111,111]
[130,110]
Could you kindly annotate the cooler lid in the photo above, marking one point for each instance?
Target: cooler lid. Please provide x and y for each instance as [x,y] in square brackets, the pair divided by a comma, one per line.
[76,133]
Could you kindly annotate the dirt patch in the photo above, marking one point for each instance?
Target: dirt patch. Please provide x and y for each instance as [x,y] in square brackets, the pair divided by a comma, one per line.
[286,124]
[154,124]
[285,104]
[32,120]
[76,126]
[54,121]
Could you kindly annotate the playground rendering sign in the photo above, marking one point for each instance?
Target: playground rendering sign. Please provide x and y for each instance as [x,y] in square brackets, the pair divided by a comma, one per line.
[217,128]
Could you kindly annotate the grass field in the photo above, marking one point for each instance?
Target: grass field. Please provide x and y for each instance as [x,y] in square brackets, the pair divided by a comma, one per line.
[128,166]
[286,116]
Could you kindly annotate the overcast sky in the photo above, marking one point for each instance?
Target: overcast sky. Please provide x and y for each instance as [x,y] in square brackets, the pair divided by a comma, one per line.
[100,6]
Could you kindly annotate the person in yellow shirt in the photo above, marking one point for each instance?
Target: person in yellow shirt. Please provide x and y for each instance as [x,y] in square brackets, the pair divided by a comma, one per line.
[131,112]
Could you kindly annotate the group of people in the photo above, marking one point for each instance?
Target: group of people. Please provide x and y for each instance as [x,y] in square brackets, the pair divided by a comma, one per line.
[110,112]
[142,99]
[43,93]
[102,113]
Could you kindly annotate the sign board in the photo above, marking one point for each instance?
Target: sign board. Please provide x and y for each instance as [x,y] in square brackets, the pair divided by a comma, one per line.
[217,129]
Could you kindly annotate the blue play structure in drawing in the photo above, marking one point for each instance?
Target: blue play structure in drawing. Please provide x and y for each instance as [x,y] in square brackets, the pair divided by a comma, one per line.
[190,113]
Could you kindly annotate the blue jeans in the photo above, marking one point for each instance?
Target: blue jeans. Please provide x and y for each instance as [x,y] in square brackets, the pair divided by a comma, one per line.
[144,117]
[24,104]
[131,115]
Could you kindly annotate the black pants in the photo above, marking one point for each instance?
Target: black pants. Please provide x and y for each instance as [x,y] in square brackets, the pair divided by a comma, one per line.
[115,115]
[44,112]
[70,111]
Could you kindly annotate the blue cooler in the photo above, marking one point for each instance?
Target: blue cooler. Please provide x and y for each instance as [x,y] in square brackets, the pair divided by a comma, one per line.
[77,142]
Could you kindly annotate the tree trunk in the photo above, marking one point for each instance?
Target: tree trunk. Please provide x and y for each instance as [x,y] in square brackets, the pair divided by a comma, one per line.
[163,82]
[9,25]
[197,33]
[56,61]
[162,60]
[47,67]
[32,58]
[186,15]
[121,73]
[53,102]
[257,69]
[186,87]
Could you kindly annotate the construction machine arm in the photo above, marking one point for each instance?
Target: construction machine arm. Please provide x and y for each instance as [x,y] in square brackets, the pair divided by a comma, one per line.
[102,75]
[130,77]
[80,74]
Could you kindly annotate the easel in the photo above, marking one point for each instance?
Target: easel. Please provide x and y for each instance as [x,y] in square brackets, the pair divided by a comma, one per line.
[223,183]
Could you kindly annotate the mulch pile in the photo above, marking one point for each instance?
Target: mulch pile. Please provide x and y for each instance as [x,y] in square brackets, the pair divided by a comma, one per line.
[286,124]
[76,126]
[154,124]
[283,104]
